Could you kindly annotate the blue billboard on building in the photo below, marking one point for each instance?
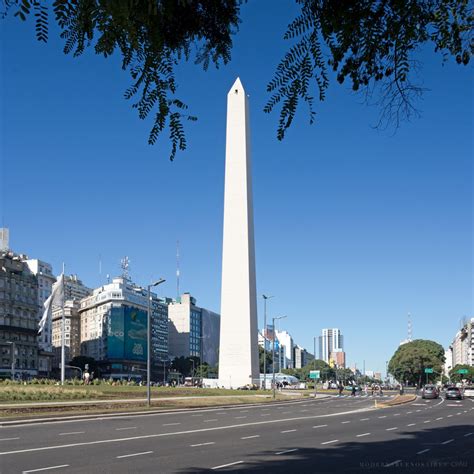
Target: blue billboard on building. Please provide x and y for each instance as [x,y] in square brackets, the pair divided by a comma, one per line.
[127,334]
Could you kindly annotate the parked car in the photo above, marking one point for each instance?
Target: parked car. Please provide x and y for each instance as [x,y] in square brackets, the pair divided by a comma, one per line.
[469,391]
[453,393]
[429,391]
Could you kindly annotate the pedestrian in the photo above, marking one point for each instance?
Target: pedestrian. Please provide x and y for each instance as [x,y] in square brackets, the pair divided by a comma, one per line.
[353,392]
[341,388]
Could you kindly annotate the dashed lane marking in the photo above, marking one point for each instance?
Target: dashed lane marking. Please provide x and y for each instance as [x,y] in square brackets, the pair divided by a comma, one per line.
[287,451]
[226,465]
[288,431]
[71,433]
[411,424]
[46,468]
[330,442]
[8,439]
[126,428]
[391,429]
[319,426]
[423,451]
[134,454]
[393,463]
[362,434]
[250,437]
[201,444]
[447,441]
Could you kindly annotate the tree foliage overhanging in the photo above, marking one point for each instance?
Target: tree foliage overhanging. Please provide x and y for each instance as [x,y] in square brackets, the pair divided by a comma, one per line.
[372,44]
[411,359]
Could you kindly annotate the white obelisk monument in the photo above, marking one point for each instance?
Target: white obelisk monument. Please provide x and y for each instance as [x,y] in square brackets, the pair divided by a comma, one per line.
[238,351]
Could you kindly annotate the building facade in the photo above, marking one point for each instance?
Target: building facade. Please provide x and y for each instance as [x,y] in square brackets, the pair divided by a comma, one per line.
[337,359]
[463,345]
[114,329]
[18,317]
[44,274]
[286,342]
[193,331]
[74,289]
[72,333]
[301,357]
[331,340]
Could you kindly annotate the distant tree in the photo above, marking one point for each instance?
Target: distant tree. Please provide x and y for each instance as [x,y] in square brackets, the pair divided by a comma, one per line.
[185,365]
[269,359]
[372,44]
[457,377]
[411,359]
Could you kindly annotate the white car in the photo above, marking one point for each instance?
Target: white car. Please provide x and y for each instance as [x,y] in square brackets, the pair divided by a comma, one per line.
[469,391]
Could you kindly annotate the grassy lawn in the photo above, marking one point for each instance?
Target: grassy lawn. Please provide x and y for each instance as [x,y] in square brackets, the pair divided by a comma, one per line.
[27,393]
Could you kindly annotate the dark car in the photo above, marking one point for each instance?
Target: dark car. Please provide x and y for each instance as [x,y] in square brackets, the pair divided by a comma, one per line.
[429,391]
[453,393]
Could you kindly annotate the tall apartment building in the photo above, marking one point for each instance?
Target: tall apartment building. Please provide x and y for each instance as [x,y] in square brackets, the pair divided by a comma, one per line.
[286,343]
[72,332]
[18,317]
[74,289]
[193,331]
[301,357]
[331,340]
[44,274]
[463,345]
[114,329]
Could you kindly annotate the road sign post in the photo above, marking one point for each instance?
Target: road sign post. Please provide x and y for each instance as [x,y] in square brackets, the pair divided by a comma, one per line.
[463,371]
[314,375]
[428,370]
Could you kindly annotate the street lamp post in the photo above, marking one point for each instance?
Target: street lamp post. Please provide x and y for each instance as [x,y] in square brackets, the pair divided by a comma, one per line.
[273,354]
[265,298]
[148,333]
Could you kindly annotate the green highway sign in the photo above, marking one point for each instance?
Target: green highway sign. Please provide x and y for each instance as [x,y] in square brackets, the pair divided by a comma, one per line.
[463,371]
[314,374]
[428,371]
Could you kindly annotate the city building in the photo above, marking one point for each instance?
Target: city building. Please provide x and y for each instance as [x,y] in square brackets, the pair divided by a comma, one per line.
[337,359]
[286,343]
[301,357]
[331,340]
[18,317]
[4,239]
[114,329]
[448,361]
[193,331]
[72,333]
[74,289]
[44,274]
[463,344]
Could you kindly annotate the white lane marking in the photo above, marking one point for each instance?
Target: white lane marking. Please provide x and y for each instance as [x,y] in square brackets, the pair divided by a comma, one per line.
[393,463]
[175,433]
[134,454]
[345,422]
[319,426]
[208,421]
[384,416]
[71,433]
[363,434]
[411,424]
[418,410]
[364,419]
[451,405]
[391,429]
[332,441]
[170,424]
[202,444]
[265,409]
[226,465]
[408,412]
[8,439]
[447,441]
[240,417]
[440,418]
[397,414]
[200,414]
[246,411]
[287,451]
[458,413]
[46,468]
[468,434]
[126,428]
[449,416]
[250,437]
[287,431]
[427,421]
[423,451]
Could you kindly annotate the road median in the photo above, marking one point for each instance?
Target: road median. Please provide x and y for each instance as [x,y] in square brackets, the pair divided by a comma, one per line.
[398,400]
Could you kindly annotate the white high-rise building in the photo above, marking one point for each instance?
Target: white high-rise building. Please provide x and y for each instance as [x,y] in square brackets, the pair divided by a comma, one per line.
[4,239]
[331,340]
[287,346]
[463,345]
[238,350]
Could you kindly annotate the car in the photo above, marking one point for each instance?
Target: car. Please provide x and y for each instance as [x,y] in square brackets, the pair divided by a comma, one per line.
[469,391]
[429,391]
[453,393]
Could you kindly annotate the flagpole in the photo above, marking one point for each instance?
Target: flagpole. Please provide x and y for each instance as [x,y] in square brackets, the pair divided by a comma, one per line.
[63,337]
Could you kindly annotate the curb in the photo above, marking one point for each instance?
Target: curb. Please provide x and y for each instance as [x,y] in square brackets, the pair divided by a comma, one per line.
[4,424]
[396,401]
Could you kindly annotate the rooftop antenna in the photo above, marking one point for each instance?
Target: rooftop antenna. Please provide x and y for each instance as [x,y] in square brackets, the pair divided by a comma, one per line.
[177,269]
[125,265]
[410,329]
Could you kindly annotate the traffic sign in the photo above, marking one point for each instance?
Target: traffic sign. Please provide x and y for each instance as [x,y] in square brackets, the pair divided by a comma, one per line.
[428,370]
[463,371]
[314,374]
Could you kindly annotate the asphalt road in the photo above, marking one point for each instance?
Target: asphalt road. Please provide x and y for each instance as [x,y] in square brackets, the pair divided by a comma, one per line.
[328,435]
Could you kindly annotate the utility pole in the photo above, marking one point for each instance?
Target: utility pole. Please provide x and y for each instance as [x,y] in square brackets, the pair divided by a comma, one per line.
[265,298]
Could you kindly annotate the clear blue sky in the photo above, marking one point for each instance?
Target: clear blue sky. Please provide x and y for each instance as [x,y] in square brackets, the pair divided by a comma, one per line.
[354,227]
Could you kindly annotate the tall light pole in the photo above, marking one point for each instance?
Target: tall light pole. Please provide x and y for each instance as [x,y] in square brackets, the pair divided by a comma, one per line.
[265,298]
[148,334]
[273,354]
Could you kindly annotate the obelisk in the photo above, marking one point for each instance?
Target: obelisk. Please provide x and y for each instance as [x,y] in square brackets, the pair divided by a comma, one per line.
[238,348]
